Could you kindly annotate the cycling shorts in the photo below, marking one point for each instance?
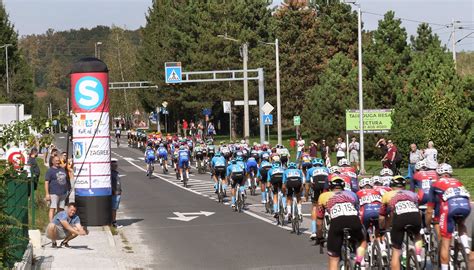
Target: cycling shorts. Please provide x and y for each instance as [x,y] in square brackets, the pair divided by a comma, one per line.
[369,213]
[276,179]
[277,186]
[150,159]
[252,166]
[264,174]
[306,165]
[183,164]
[455,207]
[293,186]
[199,156]
[284,159]
[237,178]
[318,184]
[423,197]
[336,233]
[164,156]
[398,227]
[219,172]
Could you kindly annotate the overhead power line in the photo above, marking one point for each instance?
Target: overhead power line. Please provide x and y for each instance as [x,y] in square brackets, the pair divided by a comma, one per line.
[408,20]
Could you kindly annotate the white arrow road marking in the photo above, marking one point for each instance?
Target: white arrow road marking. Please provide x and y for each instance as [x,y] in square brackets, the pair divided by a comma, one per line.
[128,159]
[183,216]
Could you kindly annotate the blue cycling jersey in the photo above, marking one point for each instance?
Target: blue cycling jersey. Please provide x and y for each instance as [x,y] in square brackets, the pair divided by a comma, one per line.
[162,151]
[150,153]
[234,168]
[183,155]
[292,175]
[273,172]
[316,171]
[218,162]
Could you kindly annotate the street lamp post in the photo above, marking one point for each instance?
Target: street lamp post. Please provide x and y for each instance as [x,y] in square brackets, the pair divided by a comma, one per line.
[6,66]
[246,84]
[277,71]
[97,49]
[165,104]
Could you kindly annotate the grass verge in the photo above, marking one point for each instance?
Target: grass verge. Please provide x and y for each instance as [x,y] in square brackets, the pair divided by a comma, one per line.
[41,206]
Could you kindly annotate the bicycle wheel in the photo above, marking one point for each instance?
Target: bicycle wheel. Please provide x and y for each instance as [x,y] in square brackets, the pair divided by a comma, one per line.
[346,263]
[412,262]
[298,221]
[460,259]
[281,214]
[433,253]
[185,179]
[376,257]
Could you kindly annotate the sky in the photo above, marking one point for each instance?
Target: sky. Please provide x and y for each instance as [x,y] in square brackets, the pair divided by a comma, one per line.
[37,16]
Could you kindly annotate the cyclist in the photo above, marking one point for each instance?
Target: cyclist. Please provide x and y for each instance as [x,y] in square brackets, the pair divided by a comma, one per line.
[347,169]
[225,150]
[386,176]
[198,155]
[317,179]
[402,207]
[343,208]
[183,161]
[305,161]
[251,167]
[163,156]
[293,180]
[275,179]
[274,157]
[211,149]
[423,178]
[378,185]
[263,169]
[235,174]
[150,157]
[335,171]
[254,153]
[452,199]
[370,201]
[218,165]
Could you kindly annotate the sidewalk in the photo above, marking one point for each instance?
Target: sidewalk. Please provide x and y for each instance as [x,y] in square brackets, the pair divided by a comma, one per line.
[97,250]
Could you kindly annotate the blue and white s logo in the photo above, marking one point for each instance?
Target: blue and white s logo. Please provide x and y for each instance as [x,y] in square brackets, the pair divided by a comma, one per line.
[89,93]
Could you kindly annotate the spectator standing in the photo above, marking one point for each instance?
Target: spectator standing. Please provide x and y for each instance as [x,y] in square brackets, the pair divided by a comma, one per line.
[354,152]
[415,156]
[431,156]
[325,153]
[65,225]
[56,186]
[34,169]
[211,131]
[116,191]
[192,128]
[313,149]
[389,159]
[340,149]
[200,128]
[178,127]
[185,128]
[299,147]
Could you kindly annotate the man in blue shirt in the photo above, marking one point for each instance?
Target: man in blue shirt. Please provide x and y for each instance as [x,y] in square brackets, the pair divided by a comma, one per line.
[293,184]
[65,225]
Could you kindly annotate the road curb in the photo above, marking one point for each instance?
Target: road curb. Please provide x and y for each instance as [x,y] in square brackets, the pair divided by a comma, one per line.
[110,237]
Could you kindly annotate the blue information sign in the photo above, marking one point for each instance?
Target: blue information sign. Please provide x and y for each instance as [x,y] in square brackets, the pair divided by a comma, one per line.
[268,119]
[173,72]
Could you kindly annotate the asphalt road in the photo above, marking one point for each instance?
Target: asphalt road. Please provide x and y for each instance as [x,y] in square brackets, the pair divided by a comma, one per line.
[216,237]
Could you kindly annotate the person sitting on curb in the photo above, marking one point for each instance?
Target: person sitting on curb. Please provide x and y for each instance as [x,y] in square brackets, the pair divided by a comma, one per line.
[65,225]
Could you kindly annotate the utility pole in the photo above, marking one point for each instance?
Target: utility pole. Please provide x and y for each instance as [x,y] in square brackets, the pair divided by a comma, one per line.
[277,59]
[453,37]
[6,66]
[361,96]
[246,92]
[97,49]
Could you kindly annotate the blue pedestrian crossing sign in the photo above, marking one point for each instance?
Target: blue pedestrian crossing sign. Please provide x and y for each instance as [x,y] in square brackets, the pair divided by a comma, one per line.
[268,119]
[173,72]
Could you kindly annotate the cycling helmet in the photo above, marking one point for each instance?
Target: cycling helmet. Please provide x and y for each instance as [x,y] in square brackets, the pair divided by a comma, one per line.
[365,182]
[337,182]
[334,169]
[239,158]
[181,147]
[317,162]
[398,181]
[343,162]
[421,164]
[217,154]
[233,161]
[386,171]
[292,165]
[444,168]
[161,145]
[276,165]
[377,181]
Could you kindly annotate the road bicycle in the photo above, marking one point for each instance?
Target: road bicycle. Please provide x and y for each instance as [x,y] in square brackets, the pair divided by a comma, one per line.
[150,169]
[269,200]
[346,262]
[220,189]
[431,244]
[163,165]
[117,141]
[281,209]
[239,198]
[252,182]
[408,250]
[459,259]
[296,216]
[374,257]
